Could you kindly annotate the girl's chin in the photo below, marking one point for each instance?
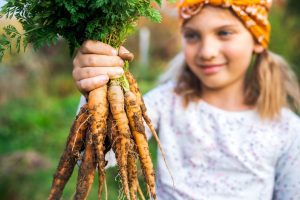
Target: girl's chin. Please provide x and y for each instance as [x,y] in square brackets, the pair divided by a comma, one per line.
[215,84]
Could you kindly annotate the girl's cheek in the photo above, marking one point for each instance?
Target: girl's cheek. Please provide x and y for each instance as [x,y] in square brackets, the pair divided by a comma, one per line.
[238,58]
[238,49]
[190,54]
[230,52]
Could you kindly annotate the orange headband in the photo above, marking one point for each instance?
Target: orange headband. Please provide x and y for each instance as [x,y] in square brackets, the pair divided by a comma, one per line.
[253,13]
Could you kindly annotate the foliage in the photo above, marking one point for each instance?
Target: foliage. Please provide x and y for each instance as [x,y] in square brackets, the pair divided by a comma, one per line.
[292,19]
[293,7]
[109,21]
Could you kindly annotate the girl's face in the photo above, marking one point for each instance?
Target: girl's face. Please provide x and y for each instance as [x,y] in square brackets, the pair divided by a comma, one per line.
[218,48]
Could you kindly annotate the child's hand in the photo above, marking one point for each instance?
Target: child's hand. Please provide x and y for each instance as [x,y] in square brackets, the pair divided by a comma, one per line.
[95,63]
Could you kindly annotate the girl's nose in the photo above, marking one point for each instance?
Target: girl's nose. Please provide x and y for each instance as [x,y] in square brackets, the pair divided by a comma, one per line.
[208,49]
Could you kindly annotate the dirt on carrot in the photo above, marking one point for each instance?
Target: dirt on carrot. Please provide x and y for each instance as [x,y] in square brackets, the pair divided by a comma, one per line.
[121,138]
[138,131]
[87,169]
[71,154]
[112,118]
[98,108]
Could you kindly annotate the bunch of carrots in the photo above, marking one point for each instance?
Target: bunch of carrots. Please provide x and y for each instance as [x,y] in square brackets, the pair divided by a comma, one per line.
[114,115]
[112,118]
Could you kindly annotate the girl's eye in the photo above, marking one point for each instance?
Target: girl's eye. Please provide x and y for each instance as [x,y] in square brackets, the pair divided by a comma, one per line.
[224,33]
[191,37]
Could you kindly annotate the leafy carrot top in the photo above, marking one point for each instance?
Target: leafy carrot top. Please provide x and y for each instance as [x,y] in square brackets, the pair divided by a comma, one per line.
[109,21]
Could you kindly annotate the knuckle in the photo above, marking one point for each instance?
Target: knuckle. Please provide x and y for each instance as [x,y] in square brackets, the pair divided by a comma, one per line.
[75,62]
[91,61]
[78,85]
[88,72]
[74,73]
[83,85]
[86,44]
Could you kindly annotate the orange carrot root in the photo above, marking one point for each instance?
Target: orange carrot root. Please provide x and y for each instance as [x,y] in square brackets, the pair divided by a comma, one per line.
[132,170]
[138,131]
[86,171]
[139,98]
[98,108]
[108,120]
[70,155]
[121,139]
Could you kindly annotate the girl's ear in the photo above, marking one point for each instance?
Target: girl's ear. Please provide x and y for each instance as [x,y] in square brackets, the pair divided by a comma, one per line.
[258,48]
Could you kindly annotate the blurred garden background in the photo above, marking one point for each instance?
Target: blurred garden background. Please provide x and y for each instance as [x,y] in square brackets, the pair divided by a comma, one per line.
[38,98]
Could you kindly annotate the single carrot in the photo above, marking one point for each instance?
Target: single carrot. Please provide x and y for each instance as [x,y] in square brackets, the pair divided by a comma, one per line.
[117,146]
[132,170]
[107,145]
[98,108]
[87,170]
[70,155]
[121,139]
[140,101]
[138,131]
[134,86]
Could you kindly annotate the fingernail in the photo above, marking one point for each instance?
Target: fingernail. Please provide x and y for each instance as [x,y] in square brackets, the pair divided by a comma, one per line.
[114,52]
[124,51]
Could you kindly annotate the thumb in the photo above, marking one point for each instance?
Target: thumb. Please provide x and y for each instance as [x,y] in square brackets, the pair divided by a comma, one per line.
[125,54]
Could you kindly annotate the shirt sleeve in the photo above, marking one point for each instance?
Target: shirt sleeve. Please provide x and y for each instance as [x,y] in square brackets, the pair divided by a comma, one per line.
[287,177]
[82,101]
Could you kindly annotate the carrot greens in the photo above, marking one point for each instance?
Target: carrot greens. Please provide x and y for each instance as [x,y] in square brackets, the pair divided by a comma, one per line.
[44,22]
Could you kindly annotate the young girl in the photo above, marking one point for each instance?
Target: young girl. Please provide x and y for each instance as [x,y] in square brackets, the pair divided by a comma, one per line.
[225,117]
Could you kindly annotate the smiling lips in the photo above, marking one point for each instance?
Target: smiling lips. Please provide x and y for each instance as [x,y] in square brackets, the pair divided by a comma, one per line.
[211,68]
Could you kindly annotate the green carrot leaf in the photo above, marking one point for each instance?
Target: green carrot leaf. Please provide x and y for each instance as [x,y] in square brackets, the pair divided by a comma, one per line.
[43,22]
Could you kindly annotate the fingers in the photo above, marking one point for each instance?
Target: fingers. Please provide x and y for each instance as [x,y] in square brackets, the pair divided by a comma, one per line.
[125,54]
[89,84]
[88,72]
[95,60]
[96,47]
[97,54]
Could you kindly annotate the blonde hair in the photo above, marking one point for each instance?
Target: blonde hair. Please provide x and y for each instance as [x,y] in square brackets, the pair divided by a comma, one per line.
[270,84]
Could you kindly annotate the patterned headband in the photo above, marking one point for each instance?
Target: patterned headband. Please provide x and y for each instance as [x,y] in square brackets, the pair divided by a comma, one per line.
[253,13]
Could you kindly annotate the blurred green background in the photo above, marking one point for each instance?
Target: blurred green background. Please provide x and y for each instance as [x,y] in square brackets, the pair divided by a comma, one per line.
[38,101]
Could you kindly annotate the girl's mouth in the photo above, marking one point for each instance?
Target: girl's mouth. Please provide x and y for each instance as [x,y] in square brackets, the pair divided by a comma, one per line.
[211,68]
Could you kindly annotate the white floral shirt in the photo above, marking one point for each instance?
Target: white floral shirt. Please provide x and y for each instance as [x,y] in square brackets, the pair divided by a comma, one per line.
[215,154]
